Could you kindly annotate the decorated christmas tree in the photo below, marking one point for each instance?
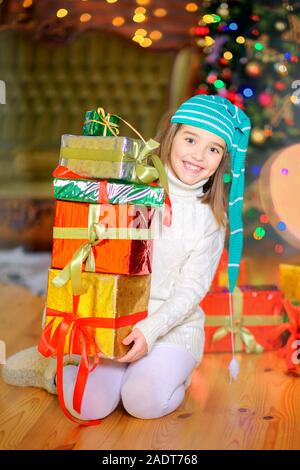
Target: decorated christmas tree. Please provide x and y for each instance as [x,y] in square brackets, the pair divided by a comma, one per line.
[251,56]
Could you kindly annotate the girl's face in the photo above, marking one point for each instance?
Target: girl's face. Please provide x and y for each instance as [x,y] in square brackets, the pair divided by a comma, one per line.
[195,153]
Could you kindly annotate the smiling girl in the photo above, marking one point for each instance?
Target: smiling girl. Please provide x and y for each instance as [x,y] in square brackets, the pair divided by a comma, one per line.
[206,138]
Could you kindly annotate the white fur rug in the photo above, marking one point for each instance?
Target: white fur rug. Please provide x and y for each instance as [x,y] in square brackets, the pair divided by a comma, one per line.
[29,269]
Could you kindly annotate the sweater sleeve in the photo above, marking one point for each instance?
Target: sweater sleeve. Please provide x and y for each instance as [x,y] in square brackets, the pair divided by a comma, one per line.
[193,283]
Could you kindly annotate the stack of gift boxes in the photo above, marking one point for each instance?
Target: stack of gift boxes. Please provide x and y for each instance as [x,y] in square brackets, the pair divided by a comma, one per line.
[106,195]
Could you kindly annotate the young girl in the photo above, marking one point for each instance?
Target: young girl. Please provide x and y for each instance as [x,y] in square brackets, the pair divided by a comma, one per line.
[151,379]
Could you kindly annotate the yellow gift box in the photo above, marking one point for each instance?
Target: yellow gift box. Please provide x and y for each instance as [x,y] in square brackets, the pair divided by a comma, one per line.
[289,281]
[103,316]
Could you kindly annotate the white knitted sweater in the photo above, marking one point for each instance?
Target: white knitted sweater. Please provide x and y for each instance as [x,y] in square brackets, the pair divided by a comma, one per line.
[185,259]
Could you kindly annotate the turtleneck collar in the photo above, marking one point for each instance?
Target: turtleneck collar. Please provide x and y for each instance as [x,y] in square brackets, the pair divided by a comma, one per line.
[178,188]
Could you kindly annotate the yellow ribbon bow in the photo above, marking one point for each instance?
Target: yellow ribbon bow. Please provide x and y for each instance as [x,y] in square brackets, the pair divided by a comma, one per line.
[105,121]
[72,271]
[242,334]
[95,232]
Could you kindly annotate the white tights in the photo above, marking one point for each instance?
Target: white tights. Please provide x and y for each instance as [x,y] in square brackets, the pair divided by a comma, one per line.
[150,387]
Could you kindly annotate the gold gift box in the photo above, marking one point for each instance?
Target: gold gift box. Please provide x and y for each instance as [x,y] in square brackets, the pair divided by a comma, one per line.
[289,281]
[118,301]
[101,157]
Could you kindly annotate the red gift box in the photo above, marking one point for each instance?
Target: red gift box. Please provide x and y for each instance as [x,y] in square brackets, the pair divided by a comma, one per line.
[256,310]
[118,250]
[290,349]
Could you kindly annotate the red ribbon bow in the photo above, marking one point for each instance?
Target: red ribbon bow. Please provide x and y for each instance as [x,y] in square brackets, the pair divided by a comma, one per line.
[54,344]
[293,326]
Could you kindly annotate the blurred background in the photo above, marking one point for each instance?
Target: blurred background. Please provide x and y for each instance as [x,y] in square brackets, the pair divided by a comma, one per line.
[141,59]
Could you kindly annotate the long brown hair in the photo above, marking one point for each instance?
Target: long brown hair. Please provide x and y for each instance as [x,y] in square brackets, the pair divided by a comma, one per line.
[215,190]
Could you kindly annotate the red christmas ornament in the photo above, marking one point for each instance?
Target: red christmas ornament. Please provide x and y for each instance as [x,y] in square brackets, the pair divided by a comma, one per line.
[289,121]
[202,89]
[264,219]
[201,92]
[201,31]
[211,78]
[235,98]
[223,61]
[265,99]
[280,86]
[226,73]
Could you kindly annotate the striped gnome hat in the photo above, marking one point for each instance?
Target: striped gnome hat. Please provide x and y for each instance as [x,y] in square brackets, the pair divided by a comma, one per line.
[218,115]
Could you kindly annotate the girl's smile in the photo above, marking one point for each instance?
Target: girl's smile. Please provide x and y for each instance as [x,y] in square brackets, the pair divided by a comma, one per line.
[191,167]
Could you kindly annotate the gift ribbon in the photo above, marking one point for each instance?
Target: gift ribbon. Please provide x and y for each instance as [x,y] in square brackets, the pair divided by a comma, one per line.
[106,233]
[293,327]
[95,233]
[242,334]
[52,343]
[144,172]
[105,121]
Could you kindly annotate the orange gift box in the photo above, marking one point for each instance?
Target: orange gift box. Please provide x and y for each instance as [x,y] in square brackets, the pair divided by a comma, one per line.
[121,236]
[256,311]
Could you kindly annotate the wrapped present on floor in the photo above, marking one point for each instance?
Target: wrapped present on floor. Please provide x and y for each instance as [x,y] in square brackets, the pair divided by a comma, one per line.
[221,276]
[289,347]
[256,311]
[289,281]
[93,324]
[105,238]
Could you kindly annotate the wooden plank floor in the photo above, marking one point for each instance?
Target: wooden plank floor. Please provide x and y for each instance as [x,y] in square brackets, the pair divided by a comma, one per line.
[260,411]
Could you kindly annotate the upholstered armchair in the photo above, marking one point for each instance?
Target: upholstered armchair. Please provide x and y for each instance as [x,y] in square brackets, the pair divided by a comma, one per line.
[48,90]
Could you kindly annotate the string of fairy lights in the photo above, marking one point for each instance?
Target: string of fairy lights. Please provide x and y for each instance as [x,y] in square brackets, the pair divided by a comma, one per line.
[140,15]
[205,41]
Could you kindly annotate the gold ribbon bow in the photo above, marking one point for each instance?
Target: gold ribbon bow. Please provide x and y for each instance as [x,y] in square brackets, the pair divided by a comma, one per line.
[146,173]
[242,334]
[105,121]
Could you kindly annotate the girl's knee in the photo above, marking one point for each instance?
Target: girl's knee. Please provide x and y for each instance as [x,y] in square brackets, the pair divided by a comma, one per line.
[97,402]
[143,399]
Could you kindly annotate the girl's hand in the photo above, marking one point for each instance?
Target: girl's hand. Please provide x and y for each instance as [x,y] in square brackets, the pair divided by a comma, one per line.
[138,350]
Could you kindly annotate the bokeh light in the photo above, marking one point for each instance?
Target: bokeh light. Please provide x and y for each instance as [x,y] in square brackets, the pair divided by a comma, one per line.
[118,21]
[61,13]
